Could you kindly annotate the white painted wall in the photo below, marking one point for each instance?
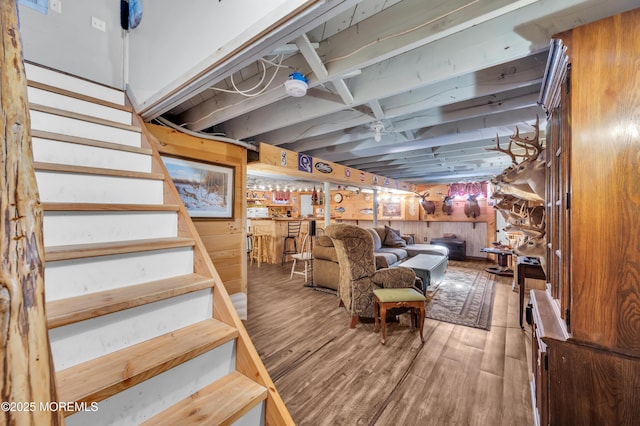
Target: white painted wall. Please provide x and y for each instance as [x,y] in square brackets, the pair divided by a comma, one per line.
[67,42]
[176,40]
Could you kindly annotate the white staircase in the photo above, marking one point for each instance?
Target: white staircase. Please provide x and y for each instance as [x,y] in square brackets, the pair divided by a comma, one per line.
[140,326]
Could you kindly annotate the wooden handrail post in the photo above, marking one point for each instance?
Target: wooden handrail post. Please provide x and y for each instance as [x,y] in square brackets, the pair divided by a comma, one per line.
[26,372]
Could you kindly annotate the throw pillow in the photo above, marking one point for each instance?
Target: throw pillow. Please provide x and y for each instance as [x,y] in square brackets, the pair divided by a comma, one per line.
[392,238]
[377,242]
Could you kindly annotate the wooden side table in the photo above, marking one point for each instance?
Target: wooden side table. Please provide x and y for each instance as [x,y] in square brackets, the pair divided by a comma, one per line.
[527,268]
[389,298]
[504,260]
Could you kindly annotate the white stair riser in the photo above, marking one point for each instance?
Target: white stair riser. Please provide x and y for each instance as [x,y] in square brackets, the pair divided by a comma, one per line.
[69,278]
[81,188]
[83,341]
[79,106]
[58,152]
[73,84]
[54,123]
[253,417]
[66,228]
[149,398]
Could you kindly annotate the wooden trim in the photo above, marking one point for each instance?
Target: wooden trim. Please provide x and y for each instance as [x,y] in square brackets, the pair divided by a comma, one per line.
[110,374]
[78,96]
[107,207]
[64,168]
[83,117]
[80,308]
[89,142]
[79,251]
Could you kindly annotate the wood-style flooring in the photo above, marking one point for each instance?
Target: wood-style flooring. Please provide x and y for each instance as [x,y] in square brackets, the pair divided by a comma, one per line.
[328,374]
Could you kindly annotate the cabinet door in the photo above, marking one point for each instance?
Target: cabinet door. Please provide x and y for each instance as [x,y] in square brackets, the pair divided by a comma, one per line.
[558,196]
[539,377]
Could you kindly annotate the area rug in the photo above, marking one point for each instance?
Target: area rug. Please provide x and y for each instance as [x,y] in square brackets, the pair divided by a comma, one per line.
[464,297]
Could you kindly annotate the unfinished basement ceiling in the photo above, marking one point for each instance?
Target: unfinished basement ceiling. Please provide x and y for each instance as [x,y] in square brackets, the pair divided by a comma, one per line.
[436,80]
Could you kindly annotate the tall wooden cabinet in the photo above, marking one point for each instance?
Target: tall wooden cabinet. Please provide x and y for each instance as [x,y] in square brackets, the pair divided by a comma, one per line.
[586,325]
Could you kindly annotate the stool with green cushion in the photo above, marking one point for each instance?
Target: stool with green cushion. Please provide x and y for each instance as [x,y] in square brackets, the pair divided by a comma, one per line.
[390,298]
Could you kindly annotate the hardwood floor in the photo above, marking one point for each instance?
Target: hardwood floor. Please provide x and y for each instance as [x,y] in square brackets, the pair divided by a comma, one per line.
[329,374]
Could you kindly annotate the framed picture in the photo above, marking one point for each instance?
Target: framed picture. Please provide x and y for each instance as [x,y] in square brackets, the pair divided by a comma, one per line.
[391,209]
[205,189]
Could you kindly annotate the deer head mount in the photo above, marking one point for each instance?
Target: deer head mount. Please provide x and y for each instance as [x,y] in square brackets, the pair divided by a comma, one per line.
[447,204]
[520,189]
[534,247]
[471,206]
[428,206]
[526,177]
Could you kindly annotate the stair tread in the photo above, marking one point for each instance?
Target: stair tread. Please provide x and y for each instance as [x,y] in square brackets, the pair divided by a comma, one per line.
[89,142]
[78,251]
[65,168]
[108,207]
[83,117]
[74,309]
[42,73]
[107,375]
[238,392]
[64,92]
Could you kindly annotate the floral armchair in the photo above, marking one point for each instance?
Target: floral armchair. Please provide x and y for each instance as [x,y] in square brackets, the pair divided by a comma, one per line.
[358,275]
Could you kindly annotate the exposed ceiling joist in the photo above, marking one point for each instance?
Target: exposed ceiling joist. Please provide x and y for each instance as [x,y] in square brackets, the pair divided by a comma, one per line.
[441,80]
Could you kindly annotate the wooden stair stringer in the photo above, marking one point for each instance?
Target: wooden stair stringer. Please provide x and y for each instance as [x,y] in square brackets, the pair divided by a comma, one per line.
[248,360]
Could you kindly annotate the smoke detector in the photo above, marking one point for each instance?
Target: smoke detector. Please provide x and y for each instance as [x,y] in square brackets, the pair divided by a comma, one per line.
[296,85]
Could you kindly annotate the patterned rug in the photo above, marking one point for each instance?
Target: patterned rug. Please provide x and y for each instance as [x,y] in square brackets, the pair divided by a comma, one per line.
[464,297]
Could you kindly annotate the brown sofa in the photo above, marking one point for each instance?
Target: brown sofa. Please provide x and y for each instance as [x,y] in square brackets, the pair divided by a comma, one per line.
[326,272]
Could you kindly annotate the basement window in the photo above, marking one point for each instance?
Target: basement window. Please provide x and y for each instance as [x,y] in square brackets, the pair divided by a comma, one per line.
[39,5]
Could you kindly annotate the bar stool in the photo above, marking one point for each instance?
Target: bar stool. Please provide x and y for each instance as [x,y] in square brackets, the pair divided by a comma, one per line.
[260,245]
[293,232]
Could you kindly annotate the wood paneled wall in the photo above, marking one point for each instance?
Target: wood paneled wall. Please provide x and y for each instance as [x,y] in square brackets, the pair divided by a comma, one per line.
[225,239]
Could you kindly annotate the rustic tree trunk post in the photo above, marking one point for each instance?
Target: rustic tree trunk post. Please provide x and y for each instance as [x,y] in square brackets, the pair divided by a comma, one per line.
[26,372]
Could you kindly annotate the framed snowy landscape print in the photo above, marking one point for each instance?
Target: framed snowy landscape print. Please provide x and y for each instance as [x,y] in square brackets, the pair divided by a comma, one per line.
[205,189]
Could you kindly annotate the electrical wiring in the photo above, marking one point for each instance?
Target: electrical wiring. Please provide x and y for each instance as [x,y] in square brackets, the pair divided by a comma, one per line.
[187,123]
[270,62]
[247,93]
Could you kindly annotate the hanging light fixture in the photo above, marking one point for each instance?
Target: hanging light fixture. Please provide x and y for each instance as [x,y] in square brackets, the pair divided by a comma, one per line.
[378,128]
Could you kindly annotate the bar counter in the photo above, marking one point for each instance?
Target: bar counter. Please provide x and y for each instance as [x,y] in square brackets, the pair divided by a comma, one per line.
[277,228]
